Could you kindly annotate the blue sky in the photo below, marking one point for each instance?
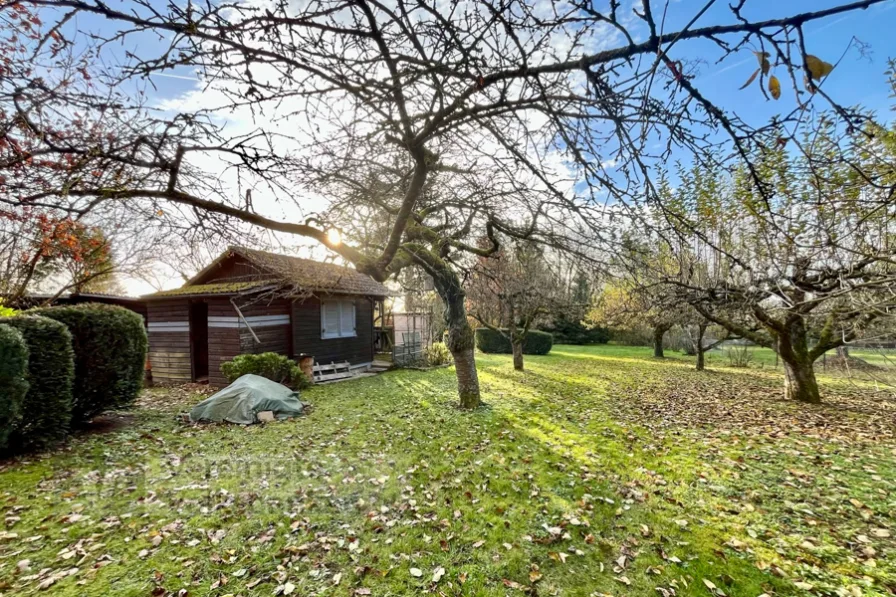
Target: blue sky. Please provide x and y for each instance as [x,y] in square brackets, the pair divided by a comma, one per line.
[857,79]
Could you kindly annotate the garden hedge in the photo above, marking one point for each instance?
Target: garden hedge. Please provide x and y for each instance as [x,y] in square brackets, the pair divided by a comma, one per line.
[110,355]
[490,341]
[13,380]
[47,408]
[271,365]
[568,330]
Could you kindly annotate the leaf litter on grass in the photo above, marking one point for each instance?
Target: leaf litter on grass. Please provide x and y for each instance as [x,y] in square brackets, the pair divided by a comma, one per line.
[590,469]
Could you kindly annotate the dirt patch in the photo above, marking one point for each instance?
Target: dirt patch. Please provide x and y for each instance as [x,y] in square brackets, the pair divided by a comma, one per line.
[847,364]
[107,423]
[174,398]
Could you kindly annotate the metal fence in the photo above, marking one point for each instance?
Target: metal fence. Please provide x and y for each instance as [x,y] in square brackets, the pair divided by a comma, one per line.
[409,351]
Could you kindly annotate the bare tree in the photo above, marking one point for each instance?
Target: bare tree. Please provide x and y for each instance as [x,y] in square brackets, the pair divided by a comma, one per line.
[510,291]
[517,107]
[807,269]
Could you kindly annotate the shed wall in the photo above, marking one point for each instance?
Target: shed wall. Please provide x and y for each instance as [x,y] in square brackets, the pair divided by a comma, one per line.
[223,337]
[307,332]
[168,326]
[271,324]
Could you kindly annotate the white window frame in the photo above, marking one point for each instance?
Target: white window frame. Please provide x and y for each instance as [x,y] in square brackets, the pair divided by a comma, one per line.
[347,319]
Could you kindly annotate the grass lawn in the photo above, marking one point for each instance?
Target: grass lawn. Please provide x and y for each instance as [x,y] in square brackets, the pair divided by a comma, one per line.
[598,471]
[765,357]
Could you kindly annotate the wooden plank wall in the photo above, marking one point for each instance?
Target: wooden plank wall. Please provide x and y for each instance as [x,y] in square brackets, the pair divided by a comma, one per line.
[285,327]
[307,335]
[223,337]
[168,324]
[271,323]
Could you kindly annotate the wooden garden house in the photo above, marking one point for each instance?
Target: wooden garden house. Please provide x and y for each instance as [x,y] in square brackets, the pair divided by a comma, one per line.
[249,301]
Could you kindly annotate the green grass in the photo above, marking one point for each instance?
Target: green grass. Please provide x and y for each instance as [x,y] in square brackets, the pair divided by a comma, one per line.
[598,471]
[765,357]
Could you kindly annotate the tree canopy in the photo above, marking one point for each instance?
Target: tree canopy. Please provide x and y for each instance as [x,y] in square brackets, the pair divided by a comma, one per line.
[435,124]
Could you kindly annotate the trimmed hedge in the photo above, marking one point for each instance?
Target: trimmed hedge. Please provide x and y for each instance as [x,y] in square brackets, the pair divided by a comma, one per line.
[490,341]
[47,407]
[110,355]
[571,331]
[271,365]
[13,382]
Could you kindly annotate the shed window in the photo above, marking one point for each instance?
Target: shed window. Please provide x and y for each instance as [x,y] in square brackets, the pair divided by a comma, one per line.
[337,319]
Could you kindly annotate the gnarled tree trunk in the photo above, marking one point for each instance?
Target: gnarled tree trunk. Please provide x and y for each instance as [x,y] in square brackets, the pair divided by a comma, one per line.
[459,334]
[800,383]
[799,374]
[459,338]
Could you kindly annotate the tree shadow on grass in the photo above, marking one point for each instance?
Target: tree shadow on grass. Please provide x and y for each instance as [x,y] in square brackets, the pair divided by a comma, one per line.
[668,398]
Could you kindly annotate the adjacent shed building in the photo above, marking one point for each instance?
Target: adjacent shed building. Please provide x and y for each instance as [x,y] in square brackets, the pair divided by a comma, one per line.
[249,301]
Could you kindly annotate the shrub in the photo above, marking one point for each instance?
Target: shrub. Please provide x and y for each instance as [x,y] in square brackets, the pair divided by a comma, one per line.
[6,311]
[47,407]
[538,342]
[13,382]
[491,341]
[110,355]
[739,355]
[436,354]
[570,331]
[271,365]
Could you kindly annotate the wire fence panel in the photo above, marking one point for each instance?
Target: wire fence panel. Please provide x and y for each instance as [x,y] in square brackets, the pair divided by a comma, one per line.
[410,350]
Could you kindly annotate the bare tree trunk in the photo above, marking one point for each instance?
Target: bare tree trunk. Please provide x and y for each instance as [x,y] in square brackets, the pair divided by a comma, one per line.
[658,333]
[459,334]
[467,377]
[800,383]
[843,352]
[459,338]
[799,374]
[701,361]
[517,345]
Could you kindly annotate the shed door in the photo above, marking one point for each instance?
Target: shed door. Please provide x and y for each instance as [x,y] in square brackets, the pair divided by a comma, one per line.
[199,339]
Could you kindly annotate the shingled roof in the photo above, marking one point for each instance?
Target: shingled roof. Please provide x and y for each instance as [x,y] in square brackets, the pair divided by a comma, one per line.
[307,274]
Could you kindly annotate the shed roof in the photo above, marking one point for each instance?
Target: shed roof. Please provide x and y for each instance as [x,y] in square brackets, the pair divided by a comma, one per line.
[214,288]
[307,274]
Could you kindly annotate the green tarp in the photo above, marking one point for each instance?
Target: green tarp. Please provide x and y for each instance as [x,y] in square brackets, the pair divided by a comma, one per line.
[241,401]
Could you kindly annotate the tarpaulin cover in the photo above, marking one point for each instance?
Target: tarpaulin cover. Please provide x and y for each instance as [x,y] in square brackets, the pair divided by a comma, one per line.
[241,401]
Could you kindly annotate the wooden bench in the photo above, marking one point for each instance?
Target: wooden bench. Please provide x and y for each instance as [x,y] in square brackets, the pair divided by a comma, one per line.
[331,372]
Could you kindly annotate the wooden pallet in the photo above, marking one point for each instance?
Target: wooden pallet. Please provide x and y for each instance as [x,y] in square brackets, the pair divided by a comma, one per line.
[331,372]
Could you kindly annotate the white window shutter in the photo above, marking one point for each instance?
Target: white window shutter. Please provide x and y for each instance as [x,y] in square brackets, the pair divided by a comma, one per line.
[330,324]
[337,319]
[350,319]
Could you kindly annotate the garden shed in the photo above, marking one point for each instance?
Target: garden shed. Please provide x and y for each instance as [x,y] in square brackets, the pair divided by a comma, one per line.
[249,301]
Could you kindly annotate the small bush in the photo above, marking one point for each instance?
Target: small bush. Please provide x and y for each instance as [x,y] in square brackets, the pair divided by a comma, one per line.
[437,354]
[13,380]
[570,331]
[110,355]
[490,341]
[271,365]
[6,311]
[739,355]
[47,408]
[538,342]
